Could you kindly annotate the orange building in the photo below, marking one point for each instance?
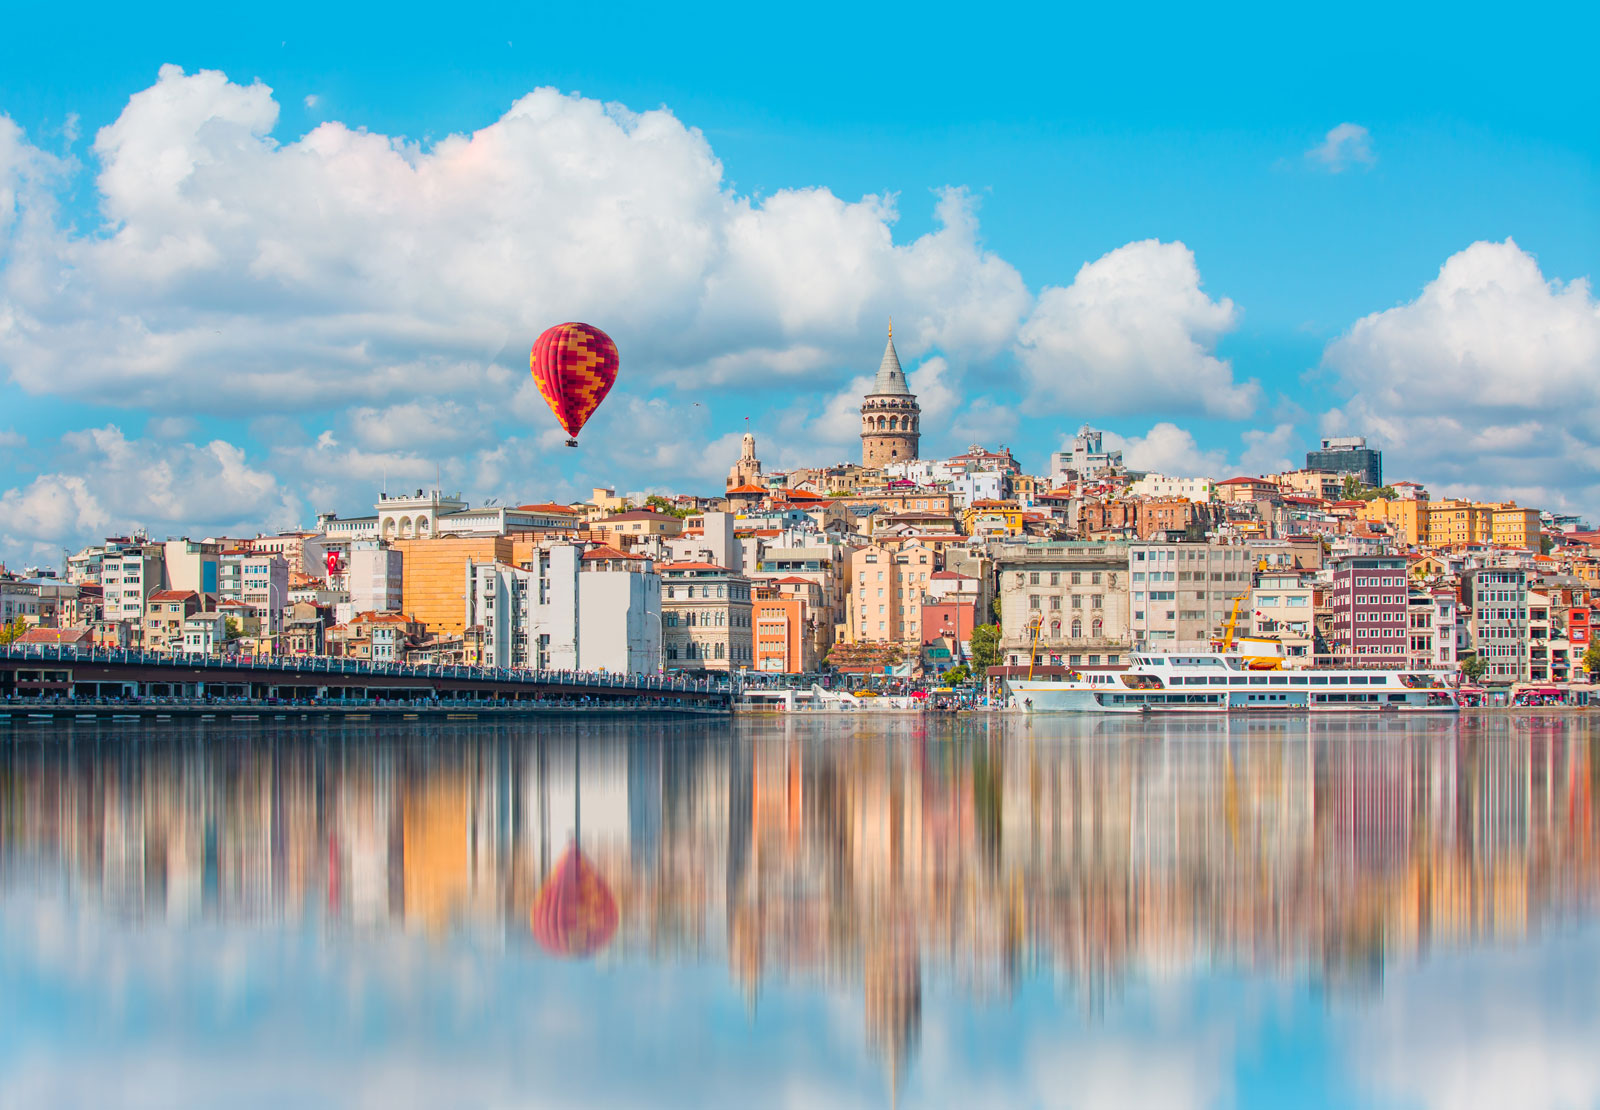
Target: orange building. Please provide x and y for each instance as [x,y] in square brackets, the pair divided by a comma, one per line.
[782,642]
[433,586]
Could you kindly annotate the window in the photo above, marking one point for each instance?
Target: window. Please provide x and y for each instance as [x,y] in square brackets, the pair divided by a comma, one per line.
[1096,628]
[1077,629]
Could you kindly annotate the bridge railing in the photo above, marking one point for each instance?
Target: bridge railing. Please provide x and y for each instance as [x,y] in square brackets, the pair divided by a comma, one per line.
[334,665]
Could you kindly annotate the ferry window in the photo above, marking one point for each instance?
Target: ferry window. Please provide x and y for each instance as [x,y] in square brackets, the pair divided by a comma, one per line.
[1397,697]
[1319,680]
[1255,681]
[1237,681]
[1338,679]
[1276,681]
[1218,681]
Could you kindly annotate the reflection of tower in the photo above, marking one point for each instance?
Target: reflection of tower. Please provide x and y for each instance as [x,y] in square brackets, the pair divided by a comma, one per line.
[893,982]
[889,414]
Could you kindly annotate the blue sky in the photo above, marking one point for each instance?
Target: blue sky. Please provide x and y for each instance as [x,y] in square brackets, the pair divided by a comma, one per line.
[234,307]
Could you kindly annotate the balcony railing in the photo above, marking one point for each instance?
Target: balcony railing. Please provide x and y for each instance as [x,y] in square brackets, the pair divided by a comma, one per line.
[333,665]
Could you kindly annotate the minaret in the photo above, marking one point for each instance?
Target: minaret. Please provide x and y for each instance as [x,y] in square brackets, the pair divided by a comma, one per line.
[889,414]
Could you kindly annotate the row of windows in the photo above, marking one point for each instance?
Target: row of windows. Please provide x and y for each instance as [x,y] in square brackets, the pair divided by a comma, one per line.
[1075,577]
[719,618]
[1096,601]
[739,653]
[737,593]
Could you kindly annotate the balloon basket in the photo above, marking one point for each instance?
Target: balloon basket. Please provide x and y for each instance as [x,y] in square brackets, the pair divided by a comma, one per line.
[572,443]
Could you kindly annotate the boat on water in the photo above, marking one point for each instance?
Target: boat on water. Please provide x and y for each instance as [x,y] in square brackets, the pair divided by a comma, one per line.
[1253,677]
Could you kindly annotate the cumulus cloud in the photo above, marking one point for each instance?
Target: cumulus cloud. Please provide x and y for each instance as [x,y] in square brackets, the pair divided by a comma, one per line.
[1134,332]
[1346,145]
[1489,380]
[103,482]
[235,271]
[1168,449]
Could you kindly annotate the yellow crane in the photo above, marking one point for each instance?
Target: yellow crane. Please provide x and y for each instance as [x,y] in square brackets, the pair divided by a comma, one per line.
[1033,649]
[1233,623]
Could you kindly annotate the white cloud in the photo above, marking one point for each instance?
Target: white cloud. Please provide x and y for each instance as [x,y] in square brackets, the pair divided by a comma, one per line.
[1344,146]
[102,482]
[1489,380]
[236,271]
[311,101]
[12,438]
[1168,449]
[1134,332]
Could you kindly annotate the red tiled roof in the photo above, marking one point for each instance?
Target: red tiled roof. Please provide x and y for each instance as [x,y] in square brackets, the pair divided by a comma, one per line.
[747,489]
[173,595]
[793,579]
[604,552]
[695,566]
[546,507]
[54,636]
[1246,482]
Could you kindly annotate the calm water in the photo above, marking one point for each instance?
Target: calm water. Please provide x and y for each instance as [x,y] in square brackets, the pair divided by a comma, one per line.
[1077,913]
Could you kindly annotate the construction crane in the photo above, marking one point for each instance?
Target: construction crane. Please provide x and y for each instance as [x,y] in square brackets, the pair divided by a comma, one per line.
[1233,623]
[1037,624]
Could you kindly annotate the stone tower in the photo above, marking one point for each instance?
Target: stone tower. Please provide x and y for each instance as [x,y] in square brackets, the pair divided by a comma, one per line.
[890,417]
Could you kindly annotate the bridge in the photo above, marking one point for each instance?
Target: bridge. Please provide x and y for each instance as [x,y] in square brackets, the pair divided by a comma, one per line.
[50,678]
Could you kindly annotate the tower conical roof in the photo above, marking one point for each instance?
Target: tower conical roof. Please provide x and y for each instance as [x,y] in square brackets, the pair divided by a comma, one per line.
[891,379]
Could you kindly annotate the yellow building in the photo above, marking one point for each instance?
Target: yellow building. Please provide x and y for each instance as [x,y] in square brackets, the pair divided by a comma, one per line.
[985,519]
[1515,527]
[1455,522]
[434,576]
[1452,523]
[1407,520]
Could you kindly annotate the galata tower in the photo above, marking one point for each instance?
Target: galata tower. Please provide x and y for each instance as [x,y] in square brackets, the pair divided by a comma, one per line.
[889,414]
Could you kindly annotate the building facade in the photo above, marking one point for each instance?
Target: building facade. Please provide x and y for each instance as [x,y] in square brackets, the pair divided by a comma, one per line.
[708,620]
[1067,600]
[1369,603]
[1496,604]
[1182,594]
[887,588]
[1349,455]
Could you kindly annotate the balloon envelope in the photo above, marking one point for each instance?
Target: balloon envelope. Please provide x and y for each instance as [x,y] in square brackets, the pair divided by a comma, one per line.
[574,366]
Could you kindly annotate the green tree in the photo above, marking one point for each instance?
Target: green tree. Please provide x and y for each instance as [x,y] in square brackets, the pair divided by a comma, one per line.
[957,674]
[235,630]
[1473,669]
[985,647]
[10,633]
[1352,488]
[1591,658]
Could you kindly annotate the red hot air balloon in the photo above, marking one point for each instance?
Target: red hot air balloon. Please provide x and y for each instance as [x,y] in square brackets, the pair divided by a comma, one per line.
[574,366]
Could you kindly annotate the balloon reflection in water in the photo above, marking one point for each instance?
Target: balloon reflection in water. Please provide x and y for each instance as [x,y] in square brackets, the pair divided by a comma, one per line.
[574,914]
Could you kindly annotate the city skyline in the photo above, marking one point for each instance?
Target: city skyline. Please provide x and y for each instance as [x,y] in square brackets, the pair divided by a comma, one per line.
[239,292]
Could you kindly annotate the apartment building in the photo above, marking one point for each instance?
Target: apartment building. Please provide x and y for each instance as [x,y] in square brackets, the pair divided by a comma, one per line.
[1431,629]
[1281,606]
[1369,603]
[1068,601]
[165,613]
[1181,594]
[887,587]
[1496,603]
[785,611]
[708,618]
[259,580]
[567,609]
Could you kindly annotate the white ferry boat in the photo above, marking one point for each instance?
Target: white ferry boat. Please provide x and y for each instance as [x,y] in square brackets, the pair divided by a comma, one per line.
[1252,679]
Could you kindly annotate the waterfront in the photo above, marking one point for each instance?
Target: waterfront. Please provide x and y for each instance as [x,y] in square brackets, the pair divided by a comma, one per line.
[1072,912]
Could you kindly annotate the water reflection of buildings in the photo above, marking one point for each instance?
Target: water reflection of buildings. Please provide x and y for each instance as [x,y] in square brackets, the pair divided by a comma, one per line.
[864,856]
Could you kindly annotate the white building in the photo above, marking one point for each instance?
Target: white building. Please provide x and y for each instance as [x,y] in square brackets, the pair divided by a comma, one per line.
[978,485]
[1282,607]
[1162,485]
[373,577]
[428,513]
[261,581]
[1087,458]
[574,611]
[205,633]
[128,578]
[1431,629]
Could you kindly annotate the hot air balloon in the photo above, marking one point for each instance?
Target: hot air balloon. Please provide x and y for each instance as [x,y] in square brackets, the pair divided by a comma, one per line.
[574,913]
[574,366]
